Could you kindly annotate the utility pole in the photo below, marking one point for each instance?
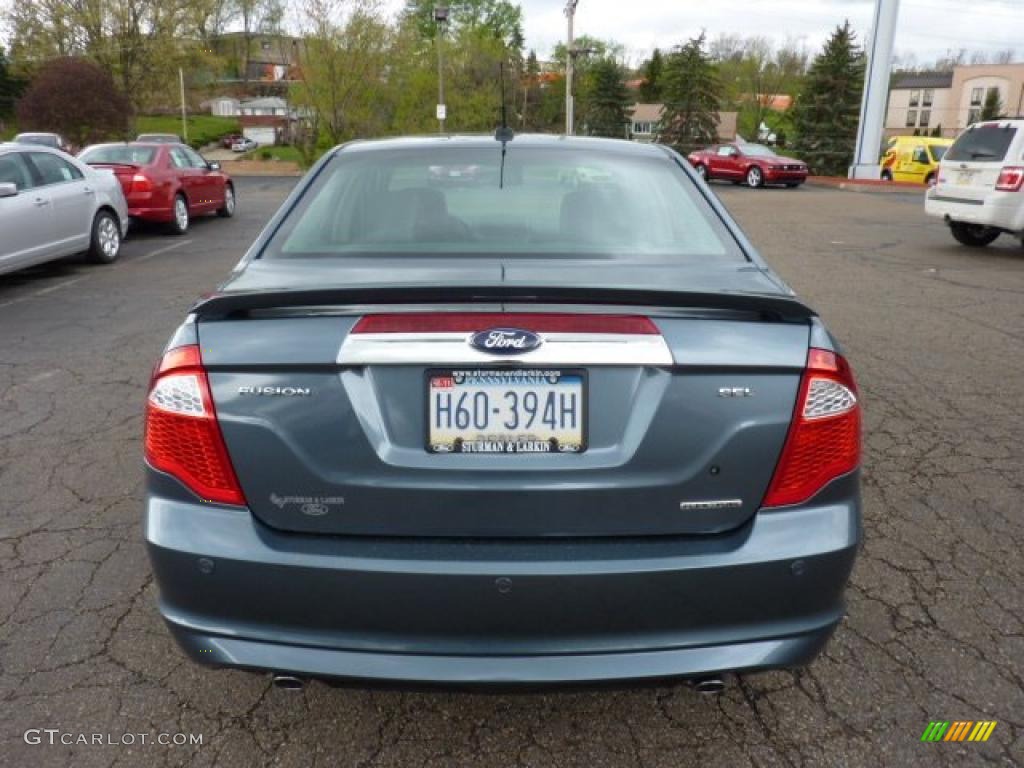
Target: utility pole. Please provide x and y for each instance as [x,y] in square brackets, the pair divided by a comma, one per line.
[184,114]
[876,91]
[441,18]
[570,12]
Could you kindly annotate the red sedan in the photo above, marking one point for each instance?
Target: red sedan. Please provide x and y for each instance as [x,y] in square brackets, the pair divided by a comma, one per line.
[167,183]
[752,164]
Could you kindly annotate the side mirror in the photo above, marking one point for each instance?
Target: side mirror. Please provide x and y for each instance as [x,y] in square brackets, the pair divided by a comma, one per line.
[214,166]
[8,189]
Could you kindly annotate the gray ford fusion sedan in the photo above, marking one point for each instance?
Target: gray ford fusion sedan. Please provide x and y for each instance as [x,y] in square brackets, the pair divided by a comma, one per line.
[508,412]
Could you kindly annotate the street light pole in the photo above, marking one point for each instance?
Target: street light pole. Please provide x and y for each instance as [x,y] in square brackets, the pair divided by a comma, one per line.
[570,12]
[184,115]
[441,18]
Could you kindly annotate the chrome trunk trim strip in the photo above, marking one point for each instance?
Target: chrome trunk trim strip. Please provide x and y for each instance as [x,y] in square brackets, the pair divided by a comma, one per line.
[454,349]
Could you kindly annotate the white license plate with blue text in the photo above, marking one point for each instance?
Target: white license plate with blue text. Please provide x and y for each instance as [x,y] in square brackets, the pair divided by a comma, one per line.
[506,411]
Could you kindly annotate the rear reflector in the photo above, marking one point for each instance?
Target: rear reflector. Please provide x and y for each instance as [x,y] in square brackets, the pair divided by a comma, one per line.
[824,437]
[1010,179]
[469,322]
[183,438]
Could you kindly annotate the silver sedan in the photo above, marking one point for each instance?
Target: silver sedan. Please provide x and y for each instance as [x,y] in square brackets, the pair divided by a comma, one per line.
[52,205]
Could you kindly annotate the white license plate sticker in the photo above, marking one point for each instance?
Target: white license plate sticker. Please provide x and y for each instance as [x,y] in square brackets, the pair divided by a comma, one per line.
[506,411]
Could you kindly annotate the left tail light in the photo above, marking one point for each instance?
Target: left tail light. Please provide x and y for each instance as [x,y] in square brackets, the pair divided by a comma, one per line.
[824,439]
[183,437]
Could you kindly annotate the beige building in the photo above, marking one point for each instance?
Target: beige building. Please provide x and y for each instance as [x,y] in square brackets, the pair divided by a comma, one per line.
[645,118]
[950,101]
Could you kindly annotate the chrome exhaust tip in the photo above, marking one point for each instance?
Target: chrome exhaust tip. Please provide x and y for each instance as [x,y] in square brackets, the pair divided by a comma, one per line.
[709,685]
[288,682]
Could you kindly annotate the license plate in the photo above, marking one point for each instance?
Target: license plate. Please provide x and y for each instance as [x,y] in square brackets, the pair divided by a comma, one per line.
[965,178]
[506,411]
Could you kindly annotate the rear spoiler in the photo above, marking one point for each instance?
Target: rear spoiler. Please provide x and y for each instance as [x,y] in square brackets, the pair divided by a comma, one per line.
[779,307]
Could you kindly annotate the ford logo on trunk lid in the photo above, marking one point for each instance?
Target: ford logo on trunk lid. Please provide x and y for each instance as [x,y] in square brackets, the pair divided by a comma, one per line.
[505,341]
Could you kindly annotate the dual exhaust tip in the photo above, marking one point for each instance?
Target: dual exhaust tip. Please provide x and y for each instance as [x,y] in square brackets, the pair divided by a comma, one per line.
[709,686]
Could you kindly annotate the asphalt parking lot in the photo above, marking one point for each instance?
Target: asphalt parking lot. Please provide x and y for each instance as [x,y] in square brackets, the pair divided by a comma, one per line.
[935,629]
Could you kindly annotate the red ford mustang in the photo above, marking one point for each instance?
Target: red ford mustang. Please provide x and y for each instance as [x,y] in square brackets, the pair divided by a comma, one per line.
[168,183]
[752,164]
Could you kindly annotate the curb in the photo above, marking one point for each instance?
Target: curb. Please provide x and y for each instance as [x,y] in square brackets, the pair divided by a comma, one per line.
[867,185]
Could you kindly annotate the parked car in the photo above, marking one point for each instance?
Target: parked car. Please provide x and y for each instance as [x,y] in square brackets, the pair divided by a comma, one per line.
[913,158]
[230,139]
[160,138]
[244,144]
[979,191]
[512,431]
[52,206]
[166,183]
[752,164]
[52,140]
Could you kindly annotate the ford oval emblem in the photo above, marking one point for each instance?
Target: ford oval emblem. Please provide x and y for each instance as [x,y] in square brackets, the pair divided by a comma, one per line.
[505,341]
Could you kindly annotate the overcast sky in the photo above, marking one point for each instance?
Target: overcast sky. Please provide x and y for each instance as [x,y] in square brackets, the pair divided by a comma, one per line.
[927,28]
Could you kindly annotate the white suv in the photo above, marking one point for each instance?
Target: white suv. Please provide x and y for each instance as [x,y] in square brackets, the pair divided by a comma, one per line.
[980,187]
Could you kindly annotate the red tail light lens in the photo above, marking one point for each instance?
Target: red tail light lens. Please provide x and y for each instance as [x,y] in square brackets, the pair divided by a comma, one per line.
[141,184]
[824,436]
[183,438]
[452,322]
[1010,179]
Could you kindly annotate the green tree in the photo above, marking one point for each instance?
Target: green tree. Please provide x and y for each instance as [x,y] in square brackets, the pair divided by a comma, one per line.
[341,64]
[10,87]
[993,106]
[502,18]
[825,114]
[608,101]
[691,96]
[651,72]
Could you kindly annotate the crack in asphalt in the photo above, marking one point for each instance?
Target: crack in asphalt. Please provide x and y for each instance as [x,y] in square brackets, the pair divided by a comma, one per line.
[935,624]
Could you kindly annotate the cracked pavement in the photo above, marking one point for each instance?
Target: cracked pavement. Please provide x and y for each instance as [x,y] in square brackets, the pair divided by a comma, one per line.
[935,628]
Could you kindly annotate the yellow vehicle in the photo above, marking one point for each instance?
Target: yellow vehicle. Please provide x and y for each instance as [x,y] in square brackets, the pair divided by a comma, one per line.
[913,158]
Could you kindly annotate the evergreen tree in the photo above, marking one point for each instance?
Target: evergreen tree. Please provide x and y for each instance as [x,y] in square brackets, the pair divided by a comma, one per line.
[9,88]
[650,89]
[826,113]
[608,101]
[690,90]
[993,107]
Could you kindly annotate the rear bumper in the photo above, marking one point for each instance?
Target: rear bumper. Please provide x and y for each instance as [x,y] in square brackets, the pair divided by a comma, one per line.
[236,593]
[160,215]
[1003,210]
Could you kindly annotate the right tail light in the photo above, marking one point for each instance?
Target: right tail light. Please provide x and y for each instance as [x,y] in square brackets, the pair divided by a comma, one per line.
[824,439]
[1010,179]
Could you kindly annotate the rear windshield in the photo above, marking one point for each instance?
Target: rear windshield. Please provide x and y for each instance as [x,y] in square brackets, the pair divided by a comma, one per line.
[539,201]
[118,155]
[983,143]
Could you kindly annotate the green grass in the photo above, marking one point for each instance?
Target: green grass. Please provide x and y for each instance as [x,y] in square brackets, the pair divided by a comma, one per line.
[202,129]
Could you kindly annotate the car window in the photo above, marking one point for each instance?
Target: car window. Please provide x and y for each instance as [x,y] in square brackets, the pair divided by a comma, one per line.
[725,151]
[14,170]
[540,202]
[179,159]
[982,143]
[196,159]
[119,155]
[53,169]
